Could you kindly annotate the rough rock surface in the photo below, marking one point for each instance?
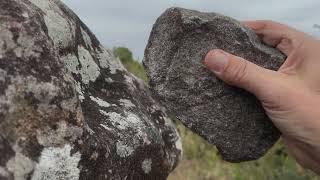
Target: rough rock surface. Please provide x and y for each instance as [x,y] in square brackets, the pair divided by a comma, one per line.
[226,116]
[68,109]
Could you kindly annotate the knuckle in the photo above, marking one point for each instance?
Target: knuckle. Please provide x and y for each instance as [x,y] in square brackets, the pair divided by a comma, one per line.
[270,22]
[267,23]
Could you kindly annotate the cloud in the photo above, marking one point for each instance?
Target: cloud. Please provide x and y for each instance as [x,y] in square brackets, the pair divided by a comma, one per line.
[128,23]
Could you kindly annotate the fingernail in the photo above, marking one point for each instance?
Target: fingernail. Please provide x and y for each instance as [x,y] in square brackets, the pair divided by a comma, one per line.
[216,61]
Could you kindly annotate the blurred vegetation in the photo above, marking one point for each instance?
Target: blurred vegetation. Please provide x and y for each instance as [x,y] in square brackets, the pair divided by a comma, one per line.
[132,65]
[201,160]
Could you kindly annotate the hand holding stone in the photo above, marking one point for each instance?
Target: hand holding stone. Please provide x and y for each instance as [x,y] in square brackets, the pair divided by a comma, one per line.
[290,95]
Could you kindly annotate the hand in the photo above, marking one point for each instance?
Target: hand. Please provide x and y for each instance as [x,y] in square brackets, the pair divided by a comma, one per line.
[291,95]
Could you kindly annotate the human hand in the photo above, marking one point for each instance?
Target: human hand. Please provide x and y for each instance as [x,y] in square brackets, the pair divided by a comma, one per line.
[291,95]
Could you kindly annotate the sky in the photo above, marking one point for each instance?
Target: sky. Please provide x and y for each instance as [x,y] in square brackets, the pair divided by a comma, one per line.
[129,22]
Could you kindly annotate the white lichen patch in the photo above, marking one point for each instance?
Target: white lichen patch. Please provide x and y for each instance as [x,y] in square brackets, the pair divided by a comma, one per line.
[94,155]
[116,119]
[57,163]
[179,144]
[109,80]
[106,127]
[168,121]
[90,70]
[86,38]
[85,65]
[107,60]
[6,40]
[60,30]
[126,103]
[3,75]
[128,79]
[24,47]
[18,52]
[43,92]
[71,62]
[146,166]
[20,166]
[49,137]
[3,172]
[27,47]
[129,120]
[79,91]
[133,119]
[25,14]
[123,150]
[144,137]
[91,132]
[100,102]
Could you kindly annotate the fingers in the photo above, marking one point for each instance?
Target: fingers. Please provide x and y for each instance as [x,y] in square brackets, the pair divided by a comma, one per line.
[301,49]
[238,72]
[284,38]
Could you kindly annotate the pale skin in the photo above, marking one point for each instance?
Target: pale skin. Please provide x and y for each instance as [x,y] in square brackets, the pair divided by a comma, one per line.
[291,95]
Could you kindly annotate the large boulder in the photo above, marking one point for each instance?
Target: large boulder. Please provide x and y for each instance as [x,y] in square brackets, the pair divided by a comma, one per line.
[68,109]
[226,116]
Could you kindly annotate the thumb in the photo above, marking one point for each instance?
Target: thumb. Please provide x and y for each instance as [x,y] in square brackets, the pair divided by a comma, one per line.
[239,72]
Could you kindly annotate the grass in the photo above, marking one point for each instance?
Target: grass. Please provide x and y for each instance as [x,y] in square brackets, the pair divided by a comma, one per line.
[133,66]
[201,162]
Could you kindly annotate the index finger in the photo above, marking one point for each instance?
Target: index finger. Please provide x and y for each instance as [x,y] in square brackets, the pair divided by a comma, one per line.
[275,34]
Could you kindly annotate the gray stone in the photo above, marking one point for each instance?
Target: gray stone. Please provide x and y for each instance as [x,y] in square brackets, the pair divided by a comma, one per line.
[68,108]
[227,117]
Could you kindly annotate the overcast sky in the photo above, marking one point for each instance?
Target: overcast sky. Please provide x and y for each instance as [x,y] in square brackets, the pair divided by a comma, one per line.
[129,22]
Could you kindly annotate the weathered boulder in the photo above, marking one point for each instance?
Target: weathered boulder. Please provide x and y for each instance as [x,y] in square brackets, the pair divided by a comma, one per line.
[68,109]
[226,116]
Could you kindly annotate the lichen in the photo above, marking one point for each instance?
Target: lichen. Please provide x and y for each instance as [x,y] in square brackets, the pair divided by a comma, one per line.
[48,137]
[108,61]
[3,75]
[57,163]
[146,165]
[60,30]
[126,103]
[3,172]
[100,102]
[90,70]
[130,120]
[123,150]
[86,39]
[20,166]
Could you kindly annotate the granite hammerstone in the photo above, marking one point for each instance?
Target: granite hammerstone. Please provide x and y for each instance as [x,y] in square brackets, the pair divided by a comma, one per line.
[226,116]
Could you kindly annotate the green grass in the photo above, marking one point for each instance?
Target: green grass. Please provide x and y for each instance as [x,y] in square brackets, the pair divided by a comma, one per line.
[133,66]
[201,161]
